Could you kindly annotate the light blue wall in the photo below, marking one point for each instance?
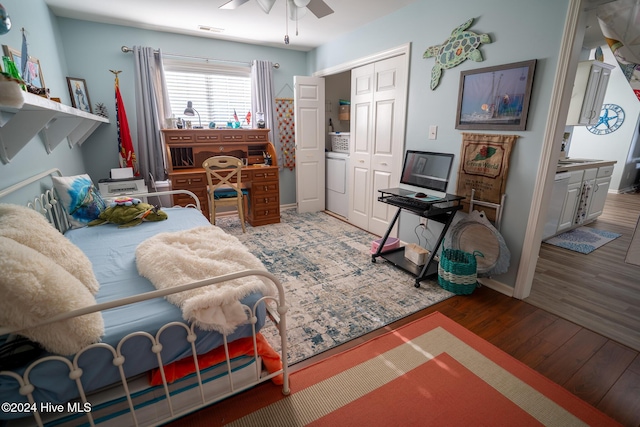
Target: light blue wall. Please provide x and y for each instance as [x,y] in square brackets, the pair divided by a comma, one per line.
[520,30]
[94,49]
[44,43]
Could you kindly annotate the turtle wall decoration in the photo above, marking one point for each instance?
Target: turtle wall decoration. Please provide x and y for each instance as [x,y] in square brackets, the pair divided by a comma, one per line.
[461,45]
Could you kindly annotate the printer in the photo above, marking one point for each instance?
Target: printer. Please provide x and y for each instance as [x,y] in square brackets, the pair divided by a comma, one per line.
[121,182]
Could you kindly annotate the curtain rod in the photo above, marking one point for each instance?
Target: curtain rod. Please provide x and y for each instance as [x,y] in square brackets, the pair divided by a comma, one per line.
[126,49]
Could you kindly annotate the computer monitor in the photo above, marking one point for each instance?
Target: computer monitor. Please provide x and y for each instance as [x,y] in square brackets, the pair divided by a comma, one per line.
[427,170]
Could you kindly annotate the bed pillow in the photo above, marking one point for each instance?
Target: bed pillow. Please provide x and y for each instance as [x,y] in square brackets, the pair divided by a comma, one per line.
[30,228]
[80,198]
[34,289]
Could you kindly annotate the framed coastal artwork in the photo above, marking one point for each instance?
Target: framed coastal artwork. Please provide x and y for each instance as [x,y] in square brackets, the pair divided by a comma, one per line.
[79,94]
[495,98]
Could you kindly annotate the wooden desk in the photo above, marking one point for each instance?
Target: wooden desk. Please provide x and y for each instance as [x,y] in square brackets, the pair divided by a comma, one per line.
[188,148]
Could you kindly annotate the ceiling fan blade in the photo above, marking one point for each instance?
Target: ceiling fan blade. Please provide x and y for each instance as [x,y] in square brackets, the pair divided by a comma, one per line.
[233,4]
[319,8]
[266,5]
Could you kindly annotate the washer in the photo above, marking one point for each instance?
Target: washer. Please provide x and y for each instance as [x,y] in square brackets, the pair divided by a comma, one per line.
[337,189]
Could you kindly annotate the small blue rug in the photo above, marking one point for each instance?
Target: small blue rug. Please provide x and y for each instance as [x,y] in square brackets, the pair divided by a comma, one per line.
[583,239]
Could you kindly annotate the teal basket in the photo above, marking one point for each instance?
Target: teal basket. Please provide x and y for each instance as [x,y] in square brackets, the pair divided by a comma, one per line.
[458,271]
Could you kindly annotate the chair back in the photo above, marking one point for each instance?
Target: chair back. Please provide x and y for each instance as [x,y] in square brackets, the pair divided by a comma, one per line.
[230,167]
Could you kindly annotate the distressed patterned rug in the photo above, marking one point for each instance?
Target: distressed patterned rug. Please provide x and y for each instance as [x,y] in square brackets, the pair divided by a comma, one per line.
[583,239]
[334,292]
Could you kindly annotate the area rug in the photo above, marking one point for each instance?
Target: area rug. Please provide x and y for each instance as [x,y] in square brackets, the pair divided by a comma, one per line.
[583,239]
[429,372]
[333,290]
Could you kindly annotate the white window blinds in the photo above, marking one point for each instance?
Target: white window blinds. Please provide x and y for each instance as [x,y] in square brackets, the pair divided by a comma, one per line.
[215,91]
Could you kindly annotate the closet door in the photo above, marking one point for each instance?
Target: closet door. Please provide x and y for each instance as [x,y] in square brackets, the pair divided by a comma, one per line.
[378,103]
[360,145]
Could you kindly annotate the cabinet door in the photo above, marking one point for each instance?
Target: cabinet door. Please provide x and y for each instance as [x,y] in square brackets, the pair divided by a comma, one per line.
[594,94]
[570,204]
[598,198]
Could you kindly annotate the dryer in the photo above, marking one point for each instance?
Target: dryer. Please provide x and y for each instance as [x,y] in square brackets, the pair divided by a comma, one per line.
[337,195]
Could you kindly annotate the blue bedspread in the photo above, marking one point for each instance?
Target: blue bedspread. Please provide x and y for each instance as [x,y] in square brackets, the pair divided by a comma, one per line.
[112,253]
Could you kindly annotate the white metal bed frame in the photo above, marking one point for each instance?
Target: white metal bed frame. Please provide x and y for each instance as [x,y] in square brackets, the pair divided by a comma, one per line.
[48,205]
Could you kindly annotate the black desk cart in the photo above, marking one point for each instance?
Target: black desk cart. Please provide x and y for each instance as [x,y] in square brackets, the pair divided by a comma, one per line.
[441,210]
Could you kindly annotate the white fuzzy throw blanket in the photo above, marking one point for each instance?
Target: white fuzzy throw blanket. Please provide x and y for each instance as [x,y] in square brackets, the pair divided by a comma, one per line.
[177,258]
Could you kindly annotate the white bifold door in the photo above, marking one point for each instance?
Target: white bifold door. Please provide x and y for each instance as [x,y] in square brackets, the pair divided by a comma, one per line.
[378,109]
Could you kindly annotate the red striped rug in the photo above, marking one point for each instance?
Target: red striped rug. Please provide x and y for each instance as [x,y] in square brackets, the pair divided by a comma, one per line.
[429,372]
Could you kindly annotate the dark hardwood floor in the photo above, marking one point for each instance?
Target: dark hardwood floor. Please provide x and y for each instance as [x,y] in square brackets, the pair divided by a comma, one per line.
[600,371]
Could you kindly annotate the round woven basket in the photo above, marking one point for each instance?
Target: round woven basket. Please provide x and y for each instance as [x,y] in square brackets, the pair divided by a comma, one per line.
[457,271]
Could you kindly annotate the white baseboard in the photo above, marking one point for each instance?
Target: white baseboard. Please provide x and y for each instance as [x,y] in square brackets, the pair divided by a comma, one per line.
[496,286]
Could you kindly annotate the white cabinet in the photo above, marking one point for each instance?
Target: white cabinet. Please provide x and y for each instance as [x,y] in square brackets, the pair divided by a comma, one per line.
[588,93]
[600,190]
[571,201]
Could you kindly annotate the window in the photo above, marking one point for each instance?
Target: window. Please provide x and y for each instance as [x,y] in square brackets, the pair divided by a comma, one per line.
[216,91]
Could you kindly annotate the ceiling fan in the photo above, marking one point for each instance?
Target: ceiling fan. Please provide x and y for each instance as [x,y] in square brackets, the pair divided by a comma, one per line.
[318,7]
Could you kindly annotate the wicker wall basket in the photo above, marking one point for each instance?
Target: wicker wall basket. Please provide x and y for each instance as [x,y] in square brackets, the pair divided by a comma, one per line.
[458,271]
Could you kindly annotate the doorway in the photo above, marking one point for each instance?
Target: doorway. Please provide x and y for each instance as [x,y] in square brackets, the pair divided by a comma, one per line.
[375,151]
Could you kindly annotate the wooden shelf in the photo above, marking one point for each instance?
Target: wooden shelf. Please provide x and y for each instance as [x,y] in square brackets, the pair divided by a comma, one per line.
[37,115]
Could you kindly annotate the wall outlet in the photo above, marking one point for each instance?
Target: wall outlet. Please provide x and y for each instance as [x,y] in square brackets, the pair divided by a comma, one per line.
[423,222]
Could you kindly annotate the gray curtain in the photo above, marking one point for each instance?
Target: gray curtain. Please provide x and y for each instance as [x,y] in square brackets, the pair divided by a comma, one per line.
[152,108]
[263,99]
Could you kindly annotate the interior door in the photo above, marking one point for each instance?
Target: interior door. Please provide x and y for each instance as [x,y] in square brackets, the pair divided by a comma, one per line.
[310,159]
[378,108]
[387,153]
[360,147]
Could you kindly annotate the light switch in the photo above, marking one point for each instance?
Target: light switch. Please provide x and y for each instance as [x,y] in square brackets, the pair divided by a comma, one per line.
[433,132]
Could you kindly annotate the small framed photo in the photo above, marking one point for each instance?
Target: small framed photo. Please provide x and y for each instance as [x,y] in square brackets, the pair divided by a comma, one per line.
[34,70]
[495,98]
[79,94]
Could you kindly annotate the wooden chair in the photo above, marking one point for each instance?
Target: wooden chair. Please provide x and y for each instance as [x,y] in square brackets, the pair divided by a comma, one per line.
[224,188]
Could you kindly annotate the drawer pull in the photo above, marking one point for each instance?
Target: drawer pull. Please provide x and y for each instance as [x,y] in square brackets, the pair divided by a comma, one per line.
[266,188]
[361,161]
[266,200]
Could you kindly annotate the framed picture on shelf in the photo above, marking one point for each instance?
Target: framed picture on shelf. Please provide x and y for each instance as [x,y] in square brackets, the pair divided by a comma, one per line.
[79,94]
[495,98]
[34,70]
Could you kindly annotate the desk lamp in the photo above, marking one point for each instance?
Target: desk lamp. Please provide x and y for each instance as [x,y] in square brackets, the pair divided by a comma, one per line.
[189,111]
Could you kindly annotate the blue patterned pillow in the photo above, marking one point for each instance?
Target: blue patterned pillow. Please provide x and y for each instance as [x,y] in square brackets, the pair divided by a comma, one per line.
[80,198]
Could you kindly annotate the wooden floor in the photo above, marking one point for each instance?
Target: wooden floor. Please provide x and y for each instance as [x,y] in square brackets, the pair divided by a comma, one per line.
[598,291]
[600,371]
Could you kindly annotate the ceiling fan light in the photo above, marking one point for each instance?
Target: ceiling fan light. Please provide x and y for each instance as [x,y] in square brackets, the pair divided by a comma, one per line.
[296,13]
[302,3]
[266,5]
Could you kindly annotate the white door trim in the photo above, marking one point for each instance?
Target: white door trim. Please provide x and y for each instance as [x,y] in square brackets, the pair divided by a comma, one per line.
[556,120]
[348,66]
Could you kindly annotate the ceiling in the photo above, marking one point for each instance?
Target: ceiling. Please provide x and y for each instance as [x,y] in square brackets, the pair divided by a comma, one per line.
[248,23]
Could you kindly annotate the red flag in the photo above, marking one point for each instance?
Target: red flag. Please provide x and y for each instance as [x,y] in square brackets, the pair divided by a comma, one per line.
[125,144]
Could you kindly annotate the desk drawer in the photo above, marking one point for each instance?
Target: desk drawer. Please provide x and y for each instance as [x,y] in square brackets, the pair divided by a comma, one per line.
[246,177]
[266,200]
[265,175]
[262,188]
[178,136]
[265,212]
[189,182]
[207,137]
